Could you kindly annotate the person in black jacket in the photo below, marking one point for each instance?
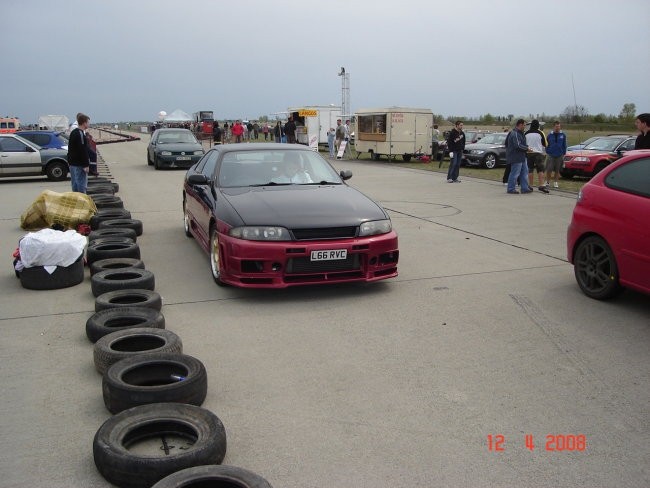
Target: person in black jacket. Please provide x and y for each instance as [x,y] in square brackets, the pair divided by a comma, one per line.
[78,158]
[456,144]
[290,131]
[643,125]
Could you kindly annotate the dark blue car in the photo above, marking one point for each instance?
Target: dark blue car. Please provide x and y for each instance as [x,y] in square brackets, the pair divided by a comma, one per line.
[47,139]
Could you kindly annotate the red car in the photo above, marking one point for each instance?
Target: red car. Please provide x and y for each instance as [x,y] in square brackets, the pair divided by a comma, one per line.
[596,156]
[608,240]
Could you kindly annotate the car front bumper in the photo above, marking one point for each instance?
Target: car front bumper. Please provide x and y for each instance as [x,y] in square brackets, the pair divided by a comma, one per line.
[258,264]
[176,161]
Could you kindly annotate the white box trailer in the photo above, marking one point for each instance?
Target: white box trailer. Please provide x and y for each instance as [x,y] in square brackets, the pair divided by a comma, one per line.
[394,131]
[313,122]
[54,122]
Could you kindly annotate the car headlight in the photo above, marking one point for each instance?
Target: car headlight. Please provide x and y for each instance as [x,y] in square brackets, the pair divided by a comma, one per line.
[375,227]
[477,151]
[583,159]
[198,153]
[165,153]
[260,233]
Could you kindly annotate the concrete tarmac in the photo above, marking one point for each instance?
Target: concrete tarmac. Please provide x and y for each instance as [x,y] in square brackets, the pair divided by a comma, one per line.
[484,335]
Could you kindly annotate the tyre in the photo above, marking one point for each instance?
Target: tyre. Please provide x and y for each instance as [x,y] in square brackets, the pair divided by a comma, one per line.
[112,232]
[98,180]
[102,249]
[114,319]
[107,214]
[566,173]
[490,161]
[186,222]
[215,262]
[100,190]
[119,442]
[134,341]
[131,298]
[599,167]
[156,164]
[154,378]
[36,278]
[221,476]
[149,163]
[376,157]
[134,224]
[595,269]
[107,201]
[406,157]
[120,279]
[115,263]
[56,171]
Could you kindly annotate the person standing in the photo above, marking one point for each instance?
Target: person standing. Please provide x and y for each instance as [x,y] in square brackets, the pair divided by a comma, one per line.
[516,150]
[331,135]
[278,132]
[642,123]
[78,158]
[238,131]
[555,152]
[456,144]
[536,141]
[265,131]
[340,134]
[92,154]
[290,131]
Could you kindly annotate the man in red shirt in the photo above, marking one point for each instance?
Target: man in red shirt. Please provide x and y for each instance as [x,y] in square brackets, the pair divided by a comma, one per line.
[238,131]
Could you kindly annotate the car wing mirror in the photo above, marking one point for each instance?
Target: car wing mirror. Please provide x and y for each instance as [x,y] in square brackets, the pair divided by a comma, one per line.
[345,174]
[198,179]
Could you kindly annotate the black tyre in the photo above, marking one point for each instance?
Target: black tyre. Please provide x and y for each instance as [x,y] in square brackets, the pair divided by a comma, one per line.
[114,319]
[595,269]
[100,190]
[134,341]
[112,232]
[599,167]
[186,222]
[115,263]
[108,214]
[119,442]
[215,476]
[120,279]
[149,162]
[102,249]
[156,164]
[56,171]
[406,157]
[490,161]
[215,262]
[98,180]
[131,298]
[134,224]
[36,278]
[154,378]
[107,201]
[376,157]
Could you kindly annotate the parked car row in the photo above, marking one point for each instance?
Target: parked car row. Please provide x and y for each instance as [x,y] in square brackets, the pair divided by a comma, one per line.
[21,157]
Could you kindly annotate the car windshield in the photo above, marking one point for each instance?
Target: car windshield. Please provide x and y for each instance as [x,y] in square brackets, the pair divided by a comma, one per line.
[499,138]
[176,137]
[275,167]
[589,141]
[605,144]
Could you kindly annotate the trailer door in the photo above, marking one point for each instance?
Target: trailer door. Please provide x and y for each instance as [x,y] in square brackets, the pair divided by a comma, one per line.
[423,127]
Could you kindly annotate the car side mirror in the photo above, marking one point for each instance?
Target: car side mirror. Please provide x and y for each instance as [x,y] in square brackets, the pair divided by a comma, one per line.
[345,174]
[197,179]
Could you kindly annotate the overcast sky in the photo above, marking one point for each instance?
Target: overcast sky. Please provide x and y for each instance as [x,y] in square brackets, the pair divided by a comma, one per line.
[126,60]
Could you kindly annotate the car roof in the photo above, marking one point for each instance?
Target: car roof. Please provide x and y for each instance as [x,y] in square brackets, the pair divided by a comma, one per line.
[261,146]
[56,132]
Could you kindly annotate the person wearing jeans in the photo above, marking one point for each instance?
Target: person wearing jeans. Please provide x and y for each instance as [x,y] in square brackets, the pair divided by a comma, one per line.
[516,150]
[456,144]
[78,157]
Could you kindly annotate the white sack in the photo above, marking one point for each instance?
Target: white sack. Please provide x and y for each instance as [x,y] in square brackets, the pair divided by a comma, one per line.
[49,247]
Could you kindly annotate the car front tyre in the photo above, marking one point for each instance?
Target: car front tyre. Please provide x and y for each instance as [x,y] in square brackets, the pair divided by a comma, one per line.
[156,164]
[186,221]
[215,264]
[490,161]
[595,269]
[56,171]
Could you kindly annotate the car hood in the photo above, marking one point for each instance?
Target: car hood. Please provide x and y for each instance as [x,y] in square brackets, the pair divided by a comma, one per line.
[179,147]
[479,145]
[303,206]
[588,152]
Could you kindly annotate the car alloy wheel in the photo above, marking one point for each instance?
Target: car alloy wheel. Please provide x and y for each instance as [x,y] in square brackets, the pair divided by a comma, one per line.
[595,269]
[215,264]
[490,161]
[186,221]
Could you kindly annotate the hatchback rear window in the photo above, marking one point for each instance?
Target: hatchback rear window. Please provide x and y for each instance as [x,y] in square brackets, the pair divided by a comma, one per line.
[633,177]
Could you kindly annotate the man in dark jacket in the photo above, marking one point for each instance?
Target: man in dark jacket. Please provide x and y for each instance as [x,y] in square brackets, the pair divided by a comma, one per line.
[78,158]
[516,150]
[643,124]
[455,144]
[290,131]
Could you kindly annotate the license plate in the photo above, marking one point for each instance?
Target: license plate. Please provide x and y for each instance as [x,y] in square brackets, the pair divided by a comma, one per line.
[183,158]
[329,255]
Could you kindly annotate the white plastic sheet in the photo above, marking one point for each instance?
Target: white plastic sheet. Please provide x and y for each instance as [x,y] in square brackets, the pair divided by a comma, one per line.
[49,247]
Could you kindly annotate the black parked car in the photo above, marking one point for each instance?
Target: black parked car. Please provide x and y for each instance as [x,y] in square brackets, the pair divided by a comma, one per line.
[490,152]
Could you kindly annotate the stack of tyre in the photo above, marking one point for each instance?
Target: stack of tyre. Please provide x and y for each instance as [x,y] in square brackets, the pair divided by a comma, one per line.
[153,390]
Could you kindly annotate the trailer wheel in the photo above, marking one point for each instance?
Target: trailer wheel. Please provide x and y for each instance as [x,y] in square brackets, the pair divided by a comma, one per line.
[406,158]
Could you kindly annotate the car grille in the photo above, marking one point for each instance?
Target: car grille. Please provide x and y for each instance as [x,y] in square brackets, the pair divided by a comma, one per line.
[324,233]
[302,265]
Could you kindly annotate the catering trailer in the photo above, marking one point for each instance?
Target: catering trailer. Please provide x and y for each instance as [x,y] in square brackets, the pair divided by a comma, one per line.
[313,122]
[394,131]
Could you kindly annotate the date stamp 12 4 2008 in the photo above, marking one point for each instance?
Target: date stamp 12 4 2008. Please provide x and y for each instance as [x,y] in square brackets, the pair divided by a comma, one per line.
[553,442]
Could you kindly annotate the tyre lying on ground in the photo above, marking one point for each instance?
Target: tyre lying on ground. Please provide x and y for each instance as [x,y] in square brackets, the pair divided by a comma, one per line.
[103,249]
[112,320]
[37,278]
[115,263]
[103,189]
[107,214]
[119,279]
[134,341]
[107,201]
[154,378]
[135,298]
[198,436]
[216,476]
[112,232]
[134,224]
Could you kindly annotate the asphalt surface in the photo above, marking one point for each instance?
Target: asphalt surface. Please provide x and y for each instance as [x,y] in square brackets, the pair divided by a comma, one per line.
[394,384]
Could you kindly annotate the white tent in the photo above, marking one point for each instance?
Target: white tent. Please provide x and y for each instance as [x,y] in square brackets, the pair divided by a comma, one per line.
[53,122]
[178,116]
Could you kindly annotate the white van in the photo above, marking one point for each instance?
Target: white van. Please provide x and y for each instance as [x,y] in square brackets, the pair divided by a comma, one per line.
[313,122]
[394,131]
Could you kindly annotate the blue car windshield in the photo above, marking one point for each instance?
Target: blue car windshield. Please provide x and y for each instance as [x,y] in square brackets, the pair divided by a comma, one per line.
[499,138]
